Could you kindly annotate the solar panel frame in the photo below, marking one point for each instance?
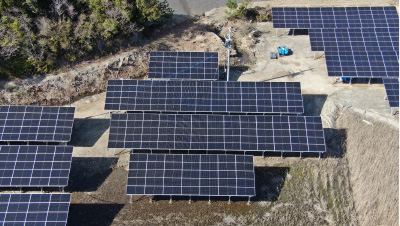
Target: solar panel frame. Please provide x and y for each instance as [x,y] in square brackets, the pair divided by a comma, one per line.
[191,175]
[217,132]
[334,17]
[392,91]
[34,209]
[183,65]
[204,96]
[35,166]
[36,123]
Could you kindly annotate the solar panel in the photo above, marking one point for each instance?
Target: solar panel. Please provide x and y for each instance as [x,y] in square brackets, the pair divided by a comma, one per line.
[204,96]
[194,175]
[392,91]
[217,132]
[362,64]
[35,166]
[34,209]
[355,39]
[35,123]
[335,17]
[358,52]
[183,65]
[316,39]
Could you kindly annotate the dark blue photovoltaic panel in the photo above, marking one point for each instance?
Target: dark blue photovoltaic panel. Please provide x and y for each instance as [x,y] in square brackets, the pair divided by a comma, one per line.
[191,175]
[358,52]
[316,39]
[183,65]
[217,132]
[335,17]
[36,123]
[204,96]
[34,209]
[355,39]
[392,91]
[362,64]
[35,166]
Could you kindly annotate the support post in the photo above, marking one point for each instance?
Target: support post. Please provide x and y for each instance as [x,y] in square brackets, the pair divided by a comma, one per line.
[190,199]
[263,154]
[369,81]
[282,154]
[151,199]
[293,32]
[350,81]
[209,199]
[319,157]
[41,190]
[130,198]
[170,199]
[300,154]
[228,44]
[248,202]
[229,200]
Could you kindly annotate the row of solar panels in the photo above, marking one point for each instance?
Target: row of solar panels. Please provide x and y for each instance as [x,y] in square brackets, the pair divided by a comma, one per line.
[335,17]
[357,41]
[204,96]
[34,209]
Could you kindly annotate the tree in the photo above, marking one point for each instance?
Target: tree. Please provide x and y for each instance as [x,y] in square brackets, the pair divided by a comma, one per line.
[153,10]
[232,4]
[38,36]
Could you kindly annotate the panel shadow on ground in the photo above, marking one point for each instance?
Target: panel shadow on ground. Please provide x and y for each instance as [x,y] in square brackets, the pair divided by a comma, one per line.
[93,214]
[335,142]
[87,174]
[313,104]
[87,131]
[269,183]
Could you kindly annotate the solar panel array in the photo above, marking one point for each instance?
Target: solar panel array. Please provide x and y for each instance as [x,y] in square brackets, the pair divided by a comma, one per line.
[217,132]
[197,175]
[34,209]
[34,123]
[204,96]
[335,17]
[183,65]
[35,166]
[358,52]
[392,91]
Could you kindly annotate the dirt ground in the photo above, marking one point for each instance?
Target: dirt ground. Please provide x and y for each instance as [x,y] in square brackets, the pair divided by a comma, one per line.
[355,183]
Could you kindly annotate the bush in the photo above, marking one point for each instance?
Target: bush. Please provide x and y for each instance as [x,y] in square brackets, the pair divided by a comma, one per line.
[237,11]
